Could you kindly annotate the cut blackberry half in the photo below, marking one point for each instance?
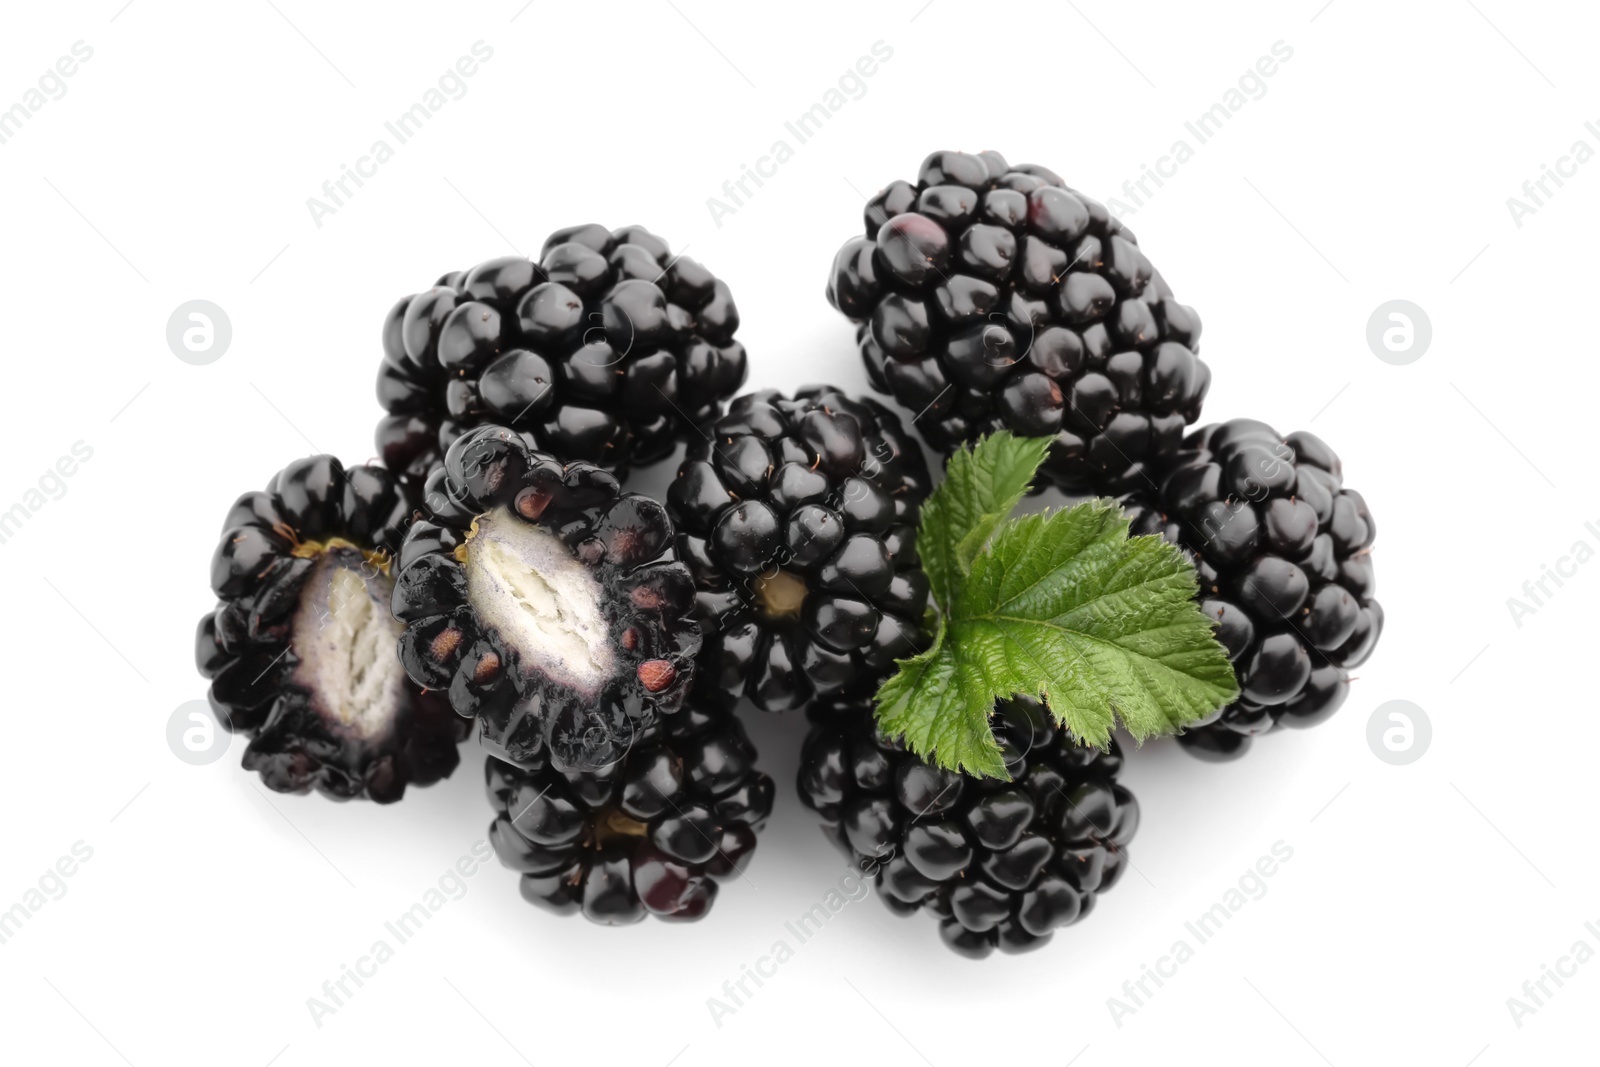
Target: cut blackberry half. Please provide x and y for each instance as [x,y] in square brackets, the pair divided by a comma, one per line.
[992,297]
[300,649]
[1283,553]
[798,517]
[652,833]
[605,350]
[1001,864]
[546,602]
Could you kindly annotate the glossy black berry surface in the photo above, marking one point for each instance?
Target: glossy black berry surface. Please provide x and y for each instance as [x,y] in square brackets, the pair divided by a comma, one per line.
[798,517]
[1000,864]
[1283,552]
[605,350]
[300,649]
[545,601]
[991,296]
[649,834]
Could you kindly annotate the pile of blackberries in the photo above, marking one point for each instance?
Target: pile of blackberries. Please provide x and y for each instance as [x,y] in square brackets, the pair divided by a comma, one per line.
[492,569]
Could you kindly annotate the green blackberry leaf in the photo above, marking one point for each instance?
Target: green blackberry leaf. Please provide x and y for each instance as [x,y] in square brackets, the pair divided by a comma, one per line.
[981,487]
[928,702]
[1066,607]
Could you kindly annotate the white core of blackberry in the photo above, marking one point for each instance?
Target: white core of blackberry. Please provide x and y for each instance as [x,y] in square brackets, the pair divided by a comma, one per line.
[526,585]
[344,637]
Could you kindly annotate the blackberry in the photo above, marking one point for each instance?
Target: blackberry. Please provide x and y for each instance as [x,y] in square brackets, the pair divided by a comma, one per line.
[300,649]
[605,349]
[998,863]
[549,604]
[651,833]
[996,297]
[798,517]
[1283,552]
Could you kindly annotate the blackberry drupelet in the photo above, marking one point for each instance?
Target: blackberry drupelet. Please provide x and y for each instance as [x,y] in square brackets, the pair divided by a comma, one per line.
[798,517]
[549,604]
[1283,553]
[605,350]
[300,649]
[995,297]
[999,863]
[651,833]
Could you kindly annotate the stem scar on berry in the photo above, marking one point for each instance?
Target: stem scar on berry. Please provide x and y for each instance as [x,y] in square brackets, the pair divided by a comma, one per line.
[781,594]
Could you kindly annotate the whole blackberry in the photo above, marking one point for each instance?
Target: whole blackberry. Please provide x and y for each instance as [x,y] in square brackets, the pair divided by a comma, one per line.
[798,517]
[1283,552]
[549,604]
[300,649]
[995,297]
[999,863]
[604,350]
[652,832]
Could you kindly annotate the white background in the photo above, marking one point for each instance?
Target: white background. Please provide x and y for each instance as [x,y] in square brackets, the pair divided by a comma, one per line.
[1376,166]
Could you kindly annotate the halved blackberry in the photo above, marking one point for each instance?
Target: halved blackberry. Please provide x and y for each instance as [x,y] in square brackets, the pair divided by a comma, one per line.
[604,350]
[652,832]
[999,863]
[547,602]
[798,517]
[996,297]
[300,649]
[1283,552]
